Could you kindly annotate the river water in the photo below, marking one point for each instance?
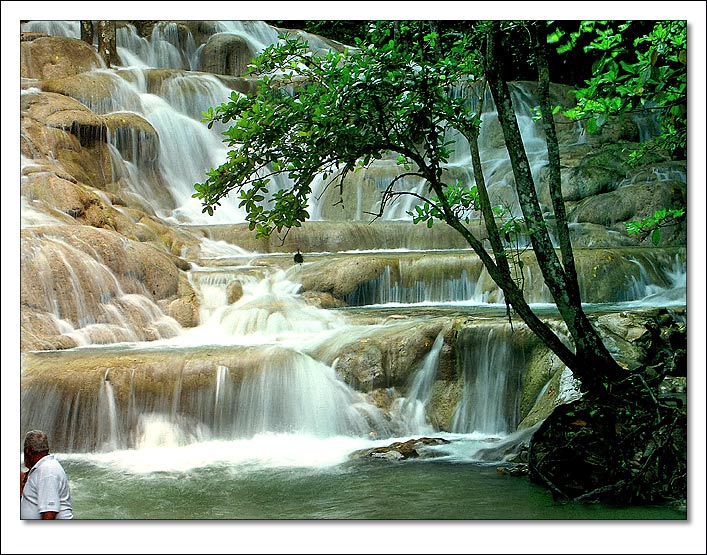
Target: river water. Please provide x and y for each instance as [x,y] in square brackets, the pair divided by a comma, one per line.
[315,499]
[430,489]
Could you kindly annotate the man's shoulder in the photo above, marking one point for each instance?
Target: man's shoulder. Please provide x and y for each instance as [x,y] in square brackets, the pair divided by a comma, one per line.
[49,464]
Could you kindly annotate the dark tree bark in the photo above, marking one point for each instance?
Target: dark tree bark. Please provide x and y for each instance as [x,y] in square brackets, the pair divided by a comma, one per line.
[87,31]
[553,151]
[593,364]
[106,43]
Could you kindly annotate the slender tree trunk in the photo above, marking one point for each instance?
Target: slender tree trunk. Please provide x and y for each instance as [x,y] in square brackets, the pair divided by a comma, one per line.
[594,364]
[553,151]
[87,31]
[472,136]
[106,42]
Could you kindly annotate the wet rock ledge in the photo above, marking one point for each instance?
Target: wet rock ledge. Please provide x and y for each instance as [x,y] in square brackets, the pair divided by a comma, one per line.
[400,450]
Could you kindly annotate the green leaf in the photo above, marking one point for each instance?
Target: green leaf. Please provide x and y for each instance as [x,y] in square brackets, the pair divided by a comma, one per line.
[655,237]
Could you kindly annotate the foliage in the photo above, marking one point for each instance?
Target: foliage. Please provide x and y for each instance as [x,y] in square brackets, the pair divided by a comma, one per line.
[647,75]
[644,76]
[652,224]
[334,115]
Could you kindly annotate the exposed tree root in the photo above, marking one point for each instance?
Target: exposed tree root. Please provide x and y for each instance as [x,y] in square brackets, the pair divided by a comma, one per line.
[628,446]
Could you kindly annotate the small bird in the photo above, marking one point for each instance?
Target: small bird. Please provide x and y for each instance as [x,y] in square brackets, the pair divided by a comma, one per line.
[298,257]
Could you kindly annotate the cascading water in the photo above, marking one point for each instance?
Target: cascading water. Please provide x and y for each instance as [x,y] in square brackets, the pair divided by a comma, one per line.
[107,433]
[96,307]
[411,408]
[265,378]
[492,375]
[362,197]
[294,394]
[672,291]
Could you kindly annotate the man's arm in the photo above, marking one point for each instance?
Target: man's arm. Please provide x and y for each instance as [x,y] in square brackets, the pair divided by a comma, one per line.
[49,515]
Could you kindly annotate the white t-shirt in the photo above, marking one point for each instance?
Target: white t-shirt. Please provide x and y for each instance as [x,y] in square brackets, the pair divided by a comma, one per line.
[47,489]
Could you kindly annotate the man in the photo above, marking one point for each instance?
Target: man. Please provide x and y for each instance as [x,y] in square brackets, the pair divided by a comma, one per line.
[46,492]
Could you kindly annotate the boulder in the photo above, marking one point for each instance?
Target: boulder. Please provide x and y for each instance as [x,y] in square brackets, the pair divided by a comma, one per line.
[226,54]
[400,450]
[342,276]
[446,395]
[68,135]
[134,137]
[234,291]
[633,203]
[360,365]
[588,235]
[100,92]
[47,57]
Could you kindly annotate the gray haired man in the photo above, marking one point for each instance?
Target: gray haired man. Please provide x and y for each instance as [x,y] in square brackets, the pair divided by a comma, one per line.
[46,494]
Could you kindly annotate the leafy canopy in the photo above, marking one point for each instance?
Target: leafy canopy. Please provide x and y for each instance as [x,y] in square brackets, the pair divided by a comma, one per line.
[335,114]
[647,75]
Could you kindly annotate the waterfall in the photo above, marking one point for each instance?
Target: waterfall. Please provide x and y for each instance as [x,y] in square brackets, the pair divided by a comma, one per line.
[411,408]
[158,430]
[224,396]
[263,360]
[166,48]
[422,280]
[186,147]
[70,29]
[269,309]
[672,289]
[85,299]
[269,390]
[492,372]
[296,394]
[108,432]
[361,197]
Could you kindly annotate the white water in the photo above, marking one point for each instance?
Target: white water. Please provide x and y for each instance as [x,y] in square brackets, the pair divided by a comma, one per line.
[491,385]
[295,411]
[160,451]
[108,433]
[411,409]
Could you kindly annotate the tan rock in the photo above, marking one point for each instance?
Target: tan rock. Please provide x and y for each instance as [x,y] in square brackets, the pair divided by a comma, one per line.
[343,276]
[133,136]
[59,128]
[100,92]
[226,54]
[55,57]
[234,291]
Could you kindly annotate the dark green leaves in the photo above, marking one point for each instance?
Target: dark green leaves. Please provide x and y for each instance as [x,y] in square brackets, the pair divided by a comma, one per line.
[649,75]
[332,114]
[652,225]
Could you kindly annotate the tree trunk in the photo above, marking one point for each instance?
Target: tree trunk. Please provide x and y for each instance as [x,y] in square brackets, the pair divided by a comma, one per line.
[553,152]
[594,365]
[106,42]
[87,31]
